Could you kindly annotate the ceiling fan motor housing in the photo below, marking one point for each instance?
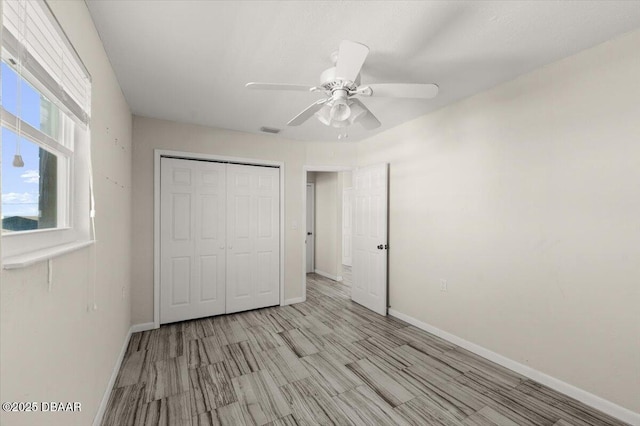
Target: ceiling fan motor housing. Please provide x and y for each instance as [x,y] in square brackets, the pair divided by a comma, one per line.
[329,82]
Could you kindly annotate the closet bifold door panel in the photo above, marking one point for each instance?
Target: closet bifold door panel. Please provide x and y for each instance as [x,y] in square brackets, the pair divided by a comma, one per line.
[253,237]
[192,246]
[219,238]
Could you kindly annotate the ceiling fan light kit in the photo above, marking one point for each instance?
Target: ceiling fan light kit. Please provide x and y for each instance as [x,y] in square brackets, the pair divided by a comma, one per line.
[341,84]
[340,111]
[325,114]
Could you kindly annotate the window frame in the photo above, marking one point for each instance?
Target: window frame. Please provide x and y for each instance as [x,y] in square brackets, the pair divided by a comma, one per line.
[63,150]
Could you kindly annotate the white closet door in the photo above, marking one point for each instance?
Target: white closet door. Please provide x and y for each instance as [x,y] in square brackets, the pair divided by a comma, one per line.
[253,237]
[192,243]
[370,238]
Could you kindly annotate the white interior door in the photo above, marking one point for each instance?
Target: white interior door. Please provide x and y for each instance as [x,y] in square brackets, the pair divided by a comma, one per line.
[310,240]
[192,242]
[370,238]
[347,228]
[253,237]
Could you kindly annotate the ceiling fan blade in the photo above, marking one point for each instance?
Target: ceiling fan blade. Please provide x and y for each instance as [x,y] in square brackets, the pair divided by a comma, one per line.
[278,86]
[368,120]
[351,56]
[399,90]
[307,113]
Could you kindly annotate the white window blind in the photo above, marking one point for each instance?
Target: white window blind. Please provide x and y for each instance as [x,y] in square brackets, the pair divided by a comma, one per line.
[36,42]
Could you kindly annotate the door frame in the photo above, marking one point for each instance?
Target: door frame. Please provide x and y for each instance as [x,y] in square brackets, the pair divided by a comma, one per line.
[313,226]
[186,155]
[305,170]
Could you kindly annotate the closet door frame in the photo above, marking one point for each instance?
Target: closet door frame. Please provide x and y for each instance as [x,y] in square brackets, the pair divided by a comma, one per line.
[158,154]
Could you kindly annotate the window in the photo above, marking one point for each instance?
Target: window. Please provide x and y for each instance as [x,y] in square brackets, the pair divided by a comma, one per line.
[45,134]
[35,173]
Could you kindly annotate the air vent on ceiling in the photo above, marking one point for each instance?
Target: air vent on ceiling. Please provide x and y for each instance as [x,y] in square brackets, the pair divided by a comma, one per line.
[271,130]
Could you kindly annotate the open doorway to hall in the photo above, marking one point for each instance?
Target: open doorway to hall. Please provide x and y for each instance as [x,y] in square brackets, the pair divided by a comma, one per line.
[329,227]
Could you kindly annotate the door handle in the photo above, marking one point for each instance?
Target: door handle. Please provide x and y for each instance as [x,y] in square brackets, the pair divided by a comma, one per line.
[380,247]
[309,233]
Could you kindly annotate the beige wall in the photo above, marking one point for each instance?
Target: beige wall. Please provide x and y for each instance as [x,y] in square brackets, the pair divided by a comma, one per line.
[347,183]
[526,199]
[328,215]
[53,348]
[347,179]
[338,212]
[331,154]
[150,134]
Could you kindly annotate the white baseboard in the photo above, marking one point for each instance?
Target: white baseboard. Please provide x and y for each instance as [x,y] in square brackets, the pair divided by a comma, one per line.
[116,368]
[294,300]
[327,275]
[97,420]
[136,328]
[581,395]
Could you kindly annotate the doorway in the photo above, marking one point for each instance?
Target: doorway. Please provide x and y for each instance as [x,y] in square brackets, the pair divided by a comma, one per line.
[324,242]
[368,228]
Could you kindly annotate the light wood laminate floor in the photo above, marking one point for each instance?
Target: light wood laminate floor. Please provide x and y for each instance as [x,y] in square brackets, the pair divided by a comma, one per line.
[326,361]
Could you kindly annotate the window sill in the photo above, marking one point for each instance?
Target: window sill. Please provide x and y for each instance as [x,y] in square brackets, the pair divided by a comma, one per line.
[27,259]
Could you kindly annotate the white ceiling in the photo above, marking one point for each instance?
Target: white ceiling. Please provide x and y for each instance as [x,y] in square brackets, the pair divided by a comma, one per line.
[188,61]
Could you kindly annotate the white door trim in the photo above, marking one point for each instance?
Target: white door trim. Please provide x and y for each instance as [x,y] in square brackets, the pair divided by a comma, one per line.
[305,170]
[313,226]
[157,155]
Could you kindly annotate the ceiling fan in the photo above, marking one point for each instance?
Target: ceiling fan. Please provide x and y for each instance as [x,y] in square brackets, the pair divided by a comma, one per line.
[341,86]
